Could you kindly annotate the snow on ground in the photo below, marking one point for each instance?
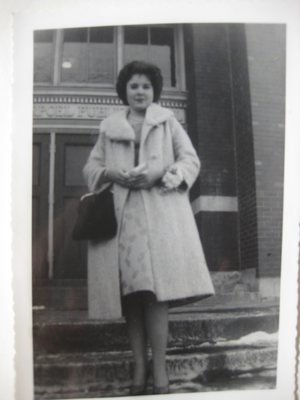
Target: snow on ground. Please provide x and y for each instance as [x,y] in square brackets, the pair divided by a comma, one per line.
[255,338]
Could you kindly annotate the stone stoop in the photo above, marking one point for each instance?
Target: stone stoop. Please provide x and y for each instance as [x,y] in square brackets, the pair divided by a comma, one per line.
[229,286]
[74,375]
[209,349]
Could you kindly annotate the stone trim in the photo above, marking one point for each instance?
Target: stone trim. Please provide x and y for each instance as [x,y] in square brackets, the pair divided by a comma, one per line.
[215,204]
[98,99]
[78,107]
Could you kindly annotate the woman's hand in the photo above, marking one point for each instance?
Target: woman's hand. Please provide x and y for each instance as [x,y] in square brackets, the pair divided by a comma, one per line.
[142,177]
[138,178]
[120,177]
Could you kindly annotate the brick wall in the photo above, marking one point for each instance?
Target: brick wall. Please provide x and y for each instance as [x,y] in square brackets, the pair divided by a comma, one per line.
[210,106]
[210,122]
[235,82]
[244,148]
[266,61]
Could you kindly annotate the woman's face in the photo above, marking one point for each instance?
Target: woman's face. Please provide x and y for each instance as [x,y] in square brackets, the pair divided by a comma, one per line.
[139,92]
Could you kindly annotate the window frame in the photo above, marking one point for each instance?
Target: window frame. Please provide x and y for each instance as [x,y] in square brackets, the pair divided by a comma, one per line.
[83,84]
[177,57]
[50,83]
[118,32]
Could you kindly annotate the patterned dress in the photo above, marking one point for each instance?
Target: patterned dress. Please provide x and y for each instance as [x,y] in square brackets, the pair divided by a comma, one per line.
[134,251]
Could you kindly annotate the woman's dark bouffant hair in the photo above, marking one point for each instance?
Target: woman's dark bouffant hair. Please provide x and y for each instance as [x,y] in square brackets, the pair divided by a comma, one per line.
[140,68]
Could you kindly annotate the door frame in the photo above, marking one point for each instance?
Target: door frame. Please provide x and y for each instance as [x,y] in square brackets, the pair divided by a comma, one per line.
[51,161]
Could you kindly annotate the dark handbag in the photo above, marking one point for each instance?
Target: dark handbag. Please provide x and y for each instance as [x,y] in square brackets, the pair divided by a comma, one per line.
[96,218]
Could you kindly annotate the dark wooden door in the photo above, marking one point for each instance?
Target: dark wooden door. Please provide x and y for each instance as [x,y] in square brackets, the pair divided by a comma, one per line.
[70,257]
[40,187]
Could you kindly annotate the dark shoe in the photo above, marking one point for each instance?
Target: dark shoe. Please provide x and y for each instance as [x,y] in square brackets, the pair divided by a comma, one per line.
[161,389]
[138,390]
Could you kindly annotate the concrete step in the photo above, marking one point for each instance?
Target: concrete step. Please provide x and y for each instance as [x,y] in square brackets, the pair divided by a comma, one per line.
[249,362]
[257,380]
[71,294]
[75,298]
[66,332]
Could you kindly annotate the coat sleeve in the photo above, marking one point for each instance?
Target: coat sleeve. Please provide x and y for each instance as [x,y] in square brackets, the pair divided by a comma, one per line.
[94,169]
[186,159]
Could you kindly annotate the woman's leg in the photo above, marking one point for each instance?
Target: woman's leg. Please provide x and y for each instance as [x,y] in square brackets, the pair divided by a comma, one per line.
[156,320]
[134,315]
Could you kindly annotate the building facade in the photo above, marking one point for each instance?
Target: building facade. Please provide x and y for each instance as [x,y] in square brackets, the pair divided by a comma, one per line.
[224,82]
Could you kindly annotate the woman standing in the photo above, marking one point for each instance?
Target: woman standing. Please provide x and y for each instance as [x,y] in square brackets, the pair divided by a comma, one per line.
[156,259]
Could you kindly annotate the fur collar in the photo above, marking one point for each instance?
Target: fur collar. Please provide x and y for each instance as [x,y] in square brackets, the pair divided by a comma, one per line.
[116,126]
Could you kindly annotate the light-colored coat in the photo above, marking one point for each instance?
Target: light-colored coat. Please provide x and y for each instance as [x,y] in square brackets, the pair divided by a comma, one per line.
[179,267]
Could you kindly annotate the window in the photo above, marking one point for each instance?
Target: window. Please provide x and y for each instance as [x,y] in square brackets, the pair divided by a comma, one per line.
[93,56]
[88,55]
[152,44]
[43,56]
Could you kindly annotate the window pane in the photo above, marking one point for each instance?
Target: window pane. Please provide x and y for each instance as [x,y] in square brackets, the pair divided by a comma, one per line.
[43,56]
[136,35]
[136,44]
[88,55]
[162,53]
[101,35]
[75,54]
[155,45]
[101,61]
[75,35]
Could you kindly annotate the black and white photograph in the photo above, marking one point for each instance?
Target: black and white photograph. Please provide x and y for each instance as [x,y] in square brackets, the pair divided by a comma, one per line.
[157,207]
[182,295]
